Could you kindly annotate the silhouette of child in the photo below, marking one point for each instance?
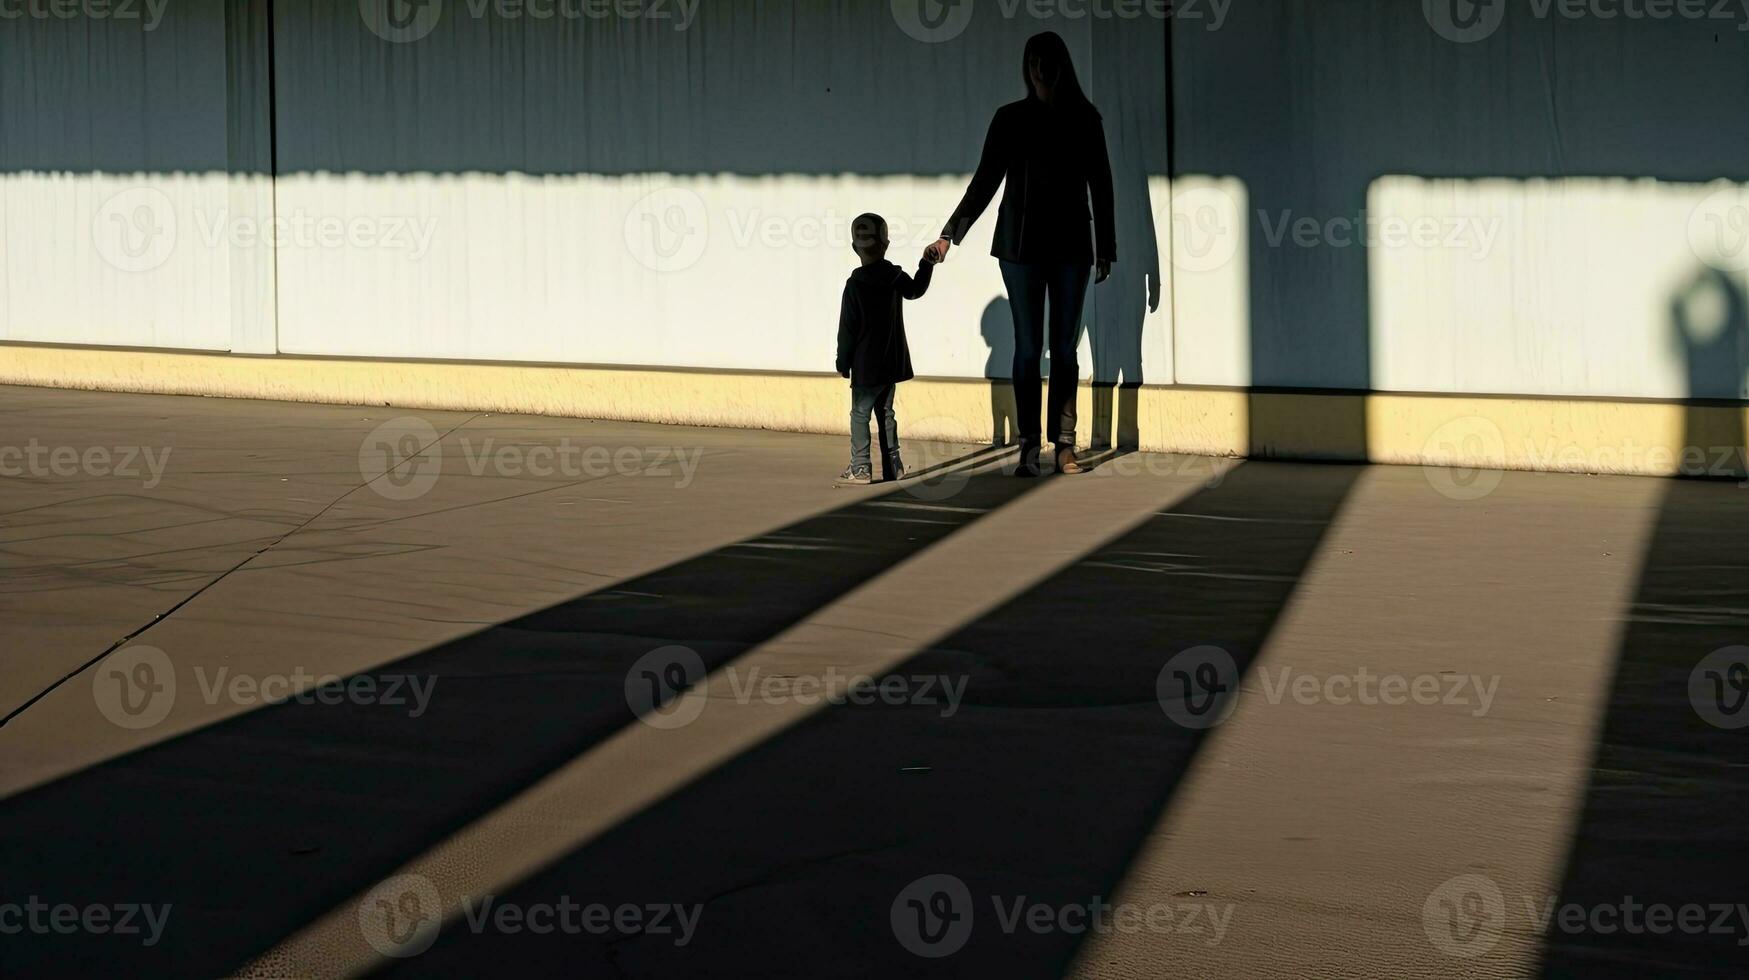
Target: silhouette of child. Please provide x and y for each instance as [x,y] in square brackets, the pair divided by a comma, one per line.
[872,351]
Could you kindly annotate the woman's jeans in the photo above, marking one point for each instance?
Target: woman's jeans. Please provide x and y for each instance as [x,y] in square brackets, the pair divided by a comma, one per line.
[877,401]
[1028,287]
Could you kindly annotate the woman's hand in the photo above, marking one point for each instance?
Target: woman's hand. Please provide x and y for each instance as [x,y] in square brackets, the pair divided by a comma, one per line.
[1101,271]
[937,252]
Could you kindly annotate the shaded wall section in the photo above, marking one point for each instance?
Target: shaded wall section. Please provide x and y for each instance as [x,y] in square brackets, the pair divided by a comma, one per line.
[1526,187]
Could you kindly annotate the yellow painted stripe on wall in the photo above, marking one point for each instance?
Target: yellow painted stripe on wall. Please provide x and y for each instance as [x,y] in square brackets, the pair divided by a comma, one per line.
[1565,435]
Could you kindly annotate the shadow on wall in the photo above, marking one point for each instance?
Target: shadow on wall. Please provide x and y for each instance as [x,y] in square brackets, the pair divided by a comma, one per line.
[1132,60]
[1710,321]
[996,326]
[1662,823]
[1121,304]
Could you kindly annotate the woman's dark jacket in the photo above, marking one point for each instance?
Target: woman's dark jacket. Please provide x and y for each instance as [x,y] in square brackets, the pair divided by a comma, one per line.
[871,323]
[1053,159]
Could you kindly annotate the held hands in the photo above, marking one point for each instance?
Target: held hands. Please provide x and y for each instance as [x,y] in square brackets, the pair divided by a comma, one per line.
[936,253]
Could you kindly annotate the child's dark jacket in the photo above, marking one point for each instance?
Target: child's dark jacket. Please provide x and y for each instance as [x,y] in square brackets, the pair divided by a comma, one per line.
[871,323]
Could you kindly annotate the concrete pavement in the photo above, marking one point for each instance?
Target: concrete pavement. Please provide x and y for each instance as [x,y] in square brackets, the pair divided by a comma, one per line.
[586,663]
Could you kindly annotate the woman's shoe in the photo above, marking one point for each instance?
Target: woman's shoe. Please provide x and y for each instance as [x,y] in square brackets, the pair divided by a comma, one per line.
[1066,462]
[1028,466]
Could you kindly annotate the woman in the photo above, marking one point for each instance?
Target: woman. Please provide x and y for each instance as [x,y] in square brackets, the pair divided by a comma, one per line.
[1050,148]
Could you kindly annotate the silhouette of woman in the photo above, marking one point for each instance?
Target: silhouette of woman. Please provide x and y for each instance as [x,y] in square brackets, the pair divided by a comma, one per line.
[1050,148]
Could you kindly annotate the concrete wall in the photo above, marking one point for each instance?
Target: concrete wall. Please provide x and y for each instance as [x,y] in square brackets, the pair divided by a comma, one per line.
[1547,185]
[1361,194]
[131,147]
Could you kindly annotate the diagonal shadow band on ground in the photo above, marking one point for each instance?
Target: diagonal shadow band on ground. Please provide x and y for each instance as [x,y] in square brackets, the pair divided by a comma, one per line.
[1042,785]
[256,825]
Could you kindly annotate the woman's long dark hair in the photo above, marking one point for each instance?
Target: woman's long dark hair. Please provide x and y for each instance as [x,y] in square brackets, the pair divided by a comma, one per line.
[1047,48]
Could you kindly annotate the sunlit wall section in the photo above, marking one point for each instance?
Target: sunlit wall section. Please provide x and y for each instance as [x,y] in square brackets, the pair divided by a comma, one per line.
[1464,198]
[135,202]
[1578,286]
[677,190]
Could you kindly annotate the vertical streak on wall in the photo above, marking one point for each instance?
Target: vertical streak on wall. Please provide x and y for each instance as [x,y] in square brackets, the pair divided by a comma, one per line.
[1168,93]
[251,174]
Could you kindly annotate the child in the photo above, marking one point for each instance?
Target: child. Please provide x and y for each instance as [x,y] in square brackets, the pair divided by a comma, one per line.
[872,351]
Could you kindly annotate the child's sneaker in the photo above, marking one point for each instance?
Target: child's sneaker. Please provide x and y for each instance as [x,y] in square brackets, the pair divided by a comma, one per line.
[856,476]
[893,468]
